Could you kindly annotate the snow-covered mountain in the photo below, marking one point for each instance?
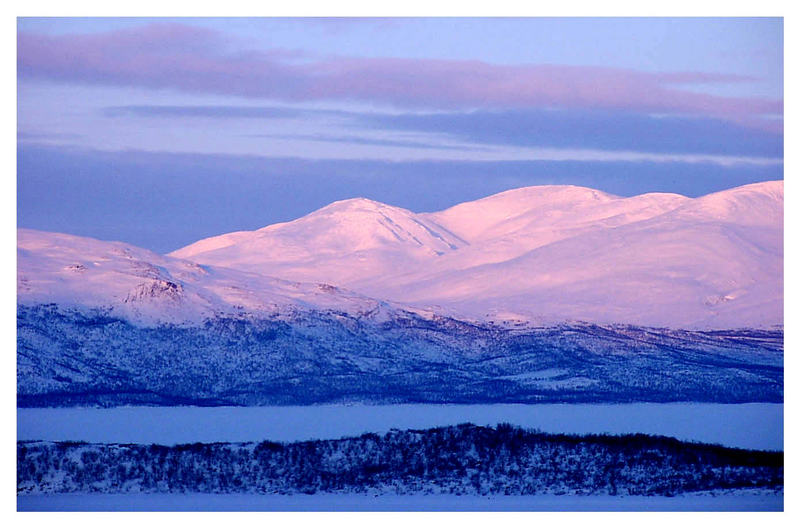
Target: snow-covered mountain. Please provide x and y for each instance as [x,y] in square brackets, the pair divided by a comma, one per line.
[148,288]
[345,242]
[546,254]
[111,324]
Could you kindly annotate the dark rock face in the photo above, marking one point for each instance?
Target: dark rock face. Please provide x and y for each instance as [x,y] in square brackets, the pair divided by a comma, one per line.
[73,357]
[156,289]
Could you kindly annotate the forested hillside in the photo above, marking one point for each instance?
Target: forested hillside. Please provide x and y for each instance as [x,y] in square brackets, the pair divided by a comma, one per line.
[73,357]
[463,459]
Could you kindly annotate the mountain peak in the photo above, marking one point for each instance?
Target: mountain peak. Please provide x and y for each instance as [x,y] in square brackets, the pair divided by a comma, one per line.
[356,206]
[552,192]
[754,204]
[356,203]
[473,220]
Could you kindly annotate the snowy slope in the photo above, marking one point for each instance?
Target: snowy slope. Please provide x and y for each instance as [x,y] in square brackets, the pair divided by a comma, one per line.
[714,261]
[543,254]
[359,241]
[548,253]
[148,288]
[338,244]
[509,224]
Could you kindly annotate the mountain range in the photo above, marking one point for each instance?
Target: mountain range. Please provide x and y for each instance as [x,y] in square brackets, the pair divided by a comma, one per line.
[541,294]
[534,255]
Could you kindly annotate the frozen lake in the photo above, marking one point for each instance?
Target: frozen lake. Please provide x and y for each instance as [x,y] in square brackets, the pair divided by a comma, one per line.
[751,425]
[740,501]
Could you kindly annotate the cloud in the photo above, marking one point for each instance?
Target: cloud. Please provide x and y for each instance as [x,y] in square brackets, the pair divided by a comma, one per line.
[208,111]
[589,130]
[29,136]
[360,140]
[519,127]
[339,25]
[196,60]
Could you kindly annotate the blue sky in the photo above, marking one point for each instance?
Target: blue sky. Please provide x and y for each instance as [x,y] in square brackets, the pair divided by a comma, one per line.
[162,131]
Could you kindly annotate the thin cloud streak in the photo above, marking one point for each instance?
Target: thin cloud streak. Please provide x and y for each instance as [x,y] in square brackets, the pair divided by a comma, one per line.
[600,130]
[28,136]
[358,140]
[604,130]
[196,60]
[209,111]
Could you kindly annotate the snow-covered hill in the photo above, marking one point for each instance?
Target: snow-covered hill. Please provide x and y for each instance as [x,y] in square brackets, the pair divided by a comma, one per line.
[148,288]
[345,242]
[545,254]
[422,327]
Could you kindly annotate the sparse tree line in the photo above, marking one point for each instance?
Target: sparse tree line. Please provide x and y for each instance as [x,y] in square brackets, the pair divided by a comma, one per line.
[463,459]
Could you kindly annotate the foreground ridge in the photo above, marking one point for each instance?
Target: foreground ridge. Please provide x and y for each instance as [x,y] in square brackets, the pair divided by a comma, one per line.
[464,459]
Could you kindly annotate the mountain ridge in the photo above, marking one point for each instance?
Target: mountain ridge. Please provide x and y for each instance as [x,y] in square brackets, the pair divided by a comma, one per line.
[701,253]
[151,289]
[661,298]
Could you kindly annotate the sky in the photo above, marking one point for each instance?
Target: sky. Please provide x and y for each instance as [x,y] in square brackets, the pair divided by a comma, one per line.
[159,132]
